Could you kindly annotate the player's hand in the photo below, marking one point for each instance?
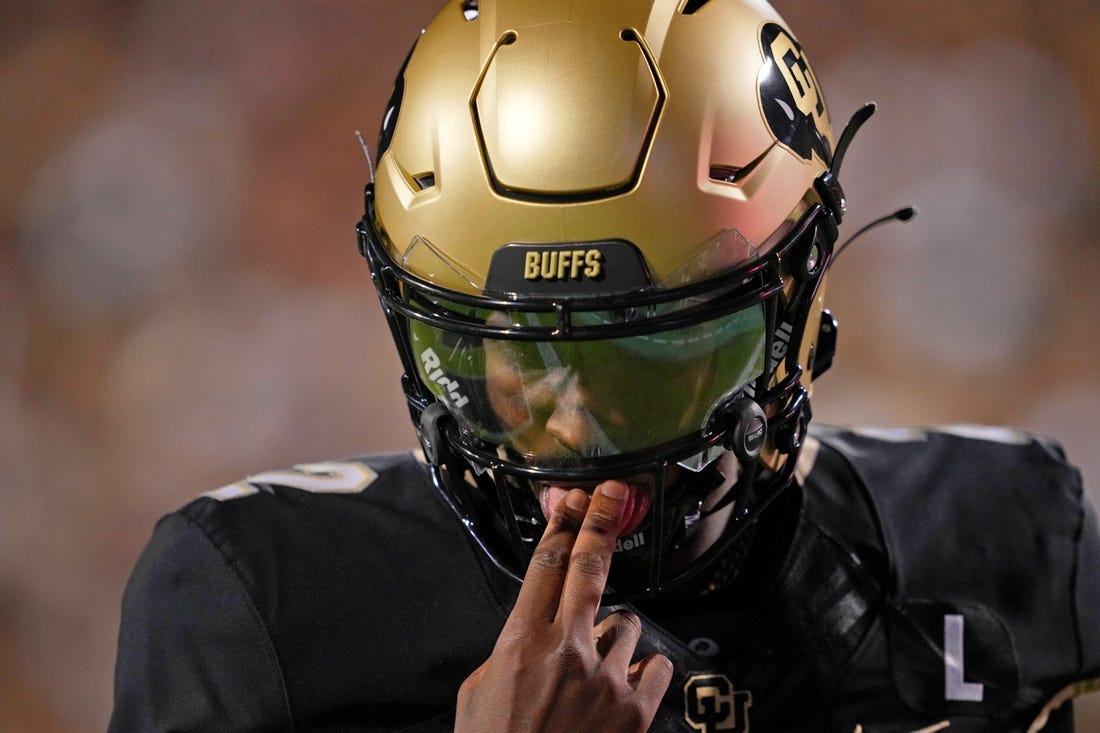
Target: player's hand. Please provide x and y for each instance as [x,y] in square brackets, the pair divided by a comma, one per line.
[553,668]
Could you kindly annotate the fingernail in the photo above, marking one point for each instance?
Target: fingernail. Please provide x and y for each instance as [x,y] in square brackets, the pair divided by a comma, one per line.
[576,500]
[613,489]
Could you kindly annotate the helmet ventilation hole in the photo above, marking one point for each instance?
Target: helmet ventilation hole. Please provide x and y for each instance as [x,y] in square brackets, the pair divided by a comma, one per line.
[727,173]
[735,173]
[469,9]
[425,180]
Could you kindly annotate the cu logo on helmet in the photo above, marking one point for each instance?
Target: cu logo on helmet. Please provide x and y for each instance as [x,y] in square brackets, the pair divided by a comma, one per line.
[790,97]
[711,704]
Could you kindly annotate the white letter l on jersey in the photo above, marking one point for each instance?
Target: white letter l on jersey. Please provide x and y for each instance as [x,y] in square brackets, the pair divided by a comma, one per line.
[955,687]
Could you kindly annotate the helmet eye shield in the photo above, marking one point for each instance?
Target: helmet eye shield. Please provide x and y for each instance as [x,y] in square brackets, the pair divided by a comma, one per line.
[555,403]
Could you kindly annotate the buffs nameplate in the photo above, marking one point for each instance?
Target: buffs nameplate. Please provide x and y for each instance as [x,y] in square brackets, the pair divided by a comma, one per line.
[577,268]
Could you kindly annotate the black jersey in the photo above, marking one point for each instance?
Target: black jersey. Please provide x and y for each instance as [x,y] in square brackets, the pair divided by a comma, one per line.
[934,580]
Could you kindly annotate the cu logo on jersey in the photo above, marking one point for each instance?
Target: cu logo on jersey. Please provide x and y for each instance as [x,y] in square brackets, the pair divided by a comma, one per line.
[712,705]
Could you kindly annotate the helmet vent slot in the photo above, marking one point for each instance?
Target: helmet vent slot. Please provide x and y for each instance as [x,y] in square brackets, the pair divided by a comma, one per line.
[425,180]
[691,6]
[734,173]
[727,173]
[469,9]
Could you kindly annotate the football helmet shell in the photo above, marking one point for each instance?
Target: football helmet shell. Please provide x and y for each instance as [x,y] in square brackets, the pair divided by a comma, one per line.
[611,195]
[581,121]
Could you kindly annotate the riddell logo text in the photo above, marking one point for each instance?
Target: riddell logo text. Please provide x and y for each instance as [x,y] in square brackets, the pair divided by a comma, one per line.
[629,543]
[431,368]
[572,264]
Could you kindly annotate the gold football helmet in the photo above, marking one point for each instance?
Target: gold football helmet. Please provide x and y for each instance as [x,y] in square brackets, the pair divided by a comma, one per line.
[600,231]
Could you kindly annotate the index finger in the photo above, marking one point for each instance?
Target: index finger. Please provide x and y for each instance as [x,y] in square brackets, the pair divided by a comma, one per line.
[590,560]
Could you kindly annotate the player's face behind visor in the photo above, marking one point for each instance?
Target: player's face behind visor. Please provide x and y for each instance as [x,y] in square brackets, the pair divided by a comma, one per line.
[552,404]
[555,405]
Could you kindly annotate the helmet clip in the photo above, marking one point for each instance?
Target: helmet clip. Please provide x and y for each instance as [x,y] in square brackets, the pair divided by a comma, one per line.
[790,438]
[431,432]
[747,427]
[826,344]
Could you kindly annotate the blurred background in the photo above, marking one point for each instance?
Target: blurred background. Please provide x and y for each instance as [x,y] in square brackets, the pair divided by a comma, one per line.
[181,301]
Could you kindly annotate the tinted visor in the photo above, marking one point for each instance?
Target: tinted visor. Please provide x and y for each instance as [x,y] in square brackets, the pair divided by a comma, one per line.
[554,403]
